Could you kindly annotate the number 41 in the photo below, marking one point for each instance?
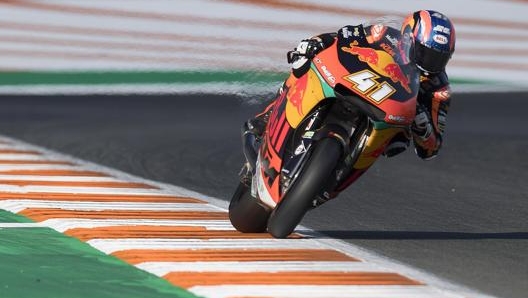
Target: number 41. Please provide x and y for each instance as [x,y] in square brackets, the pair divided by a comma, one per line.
[365,82]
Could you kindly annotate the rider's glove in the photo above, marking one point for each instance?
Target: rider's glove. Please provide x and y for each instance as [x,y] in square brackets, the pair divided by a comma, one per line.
[307,48]
[310,47]
[421,125]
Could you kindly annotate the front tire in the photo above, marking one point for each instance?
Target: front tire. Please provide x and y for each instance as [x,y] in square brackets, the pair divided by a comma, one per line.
[311,181]
[245,213]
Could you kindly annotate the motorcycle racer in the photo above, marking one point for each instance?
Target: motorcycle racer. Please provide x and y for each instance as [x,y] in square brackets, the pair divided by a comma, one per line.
[434,44]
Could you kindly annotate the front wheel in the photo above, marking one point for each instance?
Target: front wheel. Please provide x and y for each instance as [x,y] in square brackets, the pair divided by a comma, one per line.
[245,213]
[311,181]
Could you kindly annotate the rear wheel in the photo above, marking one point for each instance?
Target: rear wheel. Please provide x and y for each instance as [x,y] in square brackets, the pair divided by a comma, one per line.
[245,213]
[311,181]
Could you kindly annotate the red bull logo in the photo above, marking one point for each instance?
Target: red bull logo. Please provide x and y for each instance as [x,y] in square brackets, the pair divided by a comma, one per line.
[368,55]
[381,62]
[296,98]
[296,93]
[395,73]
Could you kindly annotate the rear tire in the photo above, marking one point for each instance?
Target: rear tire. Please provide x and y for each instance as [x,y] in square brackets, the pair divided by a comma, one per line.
[311,181]
[245,213]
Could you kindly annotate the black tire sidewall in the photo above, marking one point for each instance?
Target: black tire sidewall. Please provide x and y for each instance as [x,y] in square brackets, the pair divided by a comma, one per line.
[311,181]
[245,213]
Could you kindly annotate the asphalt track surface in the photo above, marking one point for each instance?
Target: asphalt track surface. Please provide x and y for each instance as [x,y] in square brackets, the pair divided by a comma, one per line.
[462,216]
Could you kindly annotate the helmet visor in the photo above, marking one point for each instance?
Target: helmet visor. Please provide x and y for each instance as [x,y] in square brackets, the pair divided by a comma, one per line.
[429,59]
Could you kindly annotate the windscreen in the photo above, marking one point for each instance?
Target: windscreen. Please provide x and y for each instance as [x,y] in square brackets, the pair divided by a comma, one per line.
[387,30]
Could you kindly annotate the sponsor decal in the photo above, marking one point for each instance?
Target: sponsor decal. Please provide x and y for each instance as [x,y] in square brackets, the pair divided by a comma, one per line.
[381,62]
[346,33]
[391,39]
[308,135]
[356,31]
[441,39]
[365,54]
[296,93]
[442,29]
[397,118]
[439,15]
[328,74]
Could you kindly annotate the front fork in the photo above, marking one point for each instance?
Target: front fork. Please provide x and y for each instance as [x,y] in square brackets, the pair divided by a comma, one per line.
[340,121]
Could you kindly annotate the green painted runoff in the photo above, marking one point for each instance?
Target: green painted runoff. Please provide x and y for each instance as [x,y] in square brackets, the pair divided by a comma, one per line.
[40,262]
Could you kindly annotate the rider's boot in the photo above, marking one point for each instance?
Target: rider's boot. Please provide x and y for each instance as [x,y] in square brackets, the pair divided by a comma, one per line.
[397,145]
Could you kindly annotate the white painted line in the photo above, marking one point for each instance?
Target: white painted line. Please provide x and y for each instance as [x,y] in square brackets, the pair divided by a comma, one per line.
[311,291]
[112,245]
[15,167]
[82,190]
[13,156]
[16,206]
[12,146]
[64,224]
[59,178]
[163,268]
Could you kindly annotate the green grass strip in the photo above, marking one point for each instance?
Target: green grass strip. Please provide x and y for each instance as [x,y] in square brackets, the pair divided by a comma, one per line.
[155,77]
[460,81]
[40,262]
[144,77]
[8,217]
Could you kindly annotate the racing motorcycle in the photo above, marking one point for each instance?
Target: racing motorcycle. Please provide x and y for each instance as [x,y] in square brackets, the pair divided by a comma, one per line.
[327,127]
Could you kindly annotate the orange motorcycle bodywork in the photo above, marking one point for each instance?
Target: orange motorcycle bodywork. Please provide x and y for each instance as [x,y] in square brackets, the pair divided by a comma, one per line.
[369,73]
